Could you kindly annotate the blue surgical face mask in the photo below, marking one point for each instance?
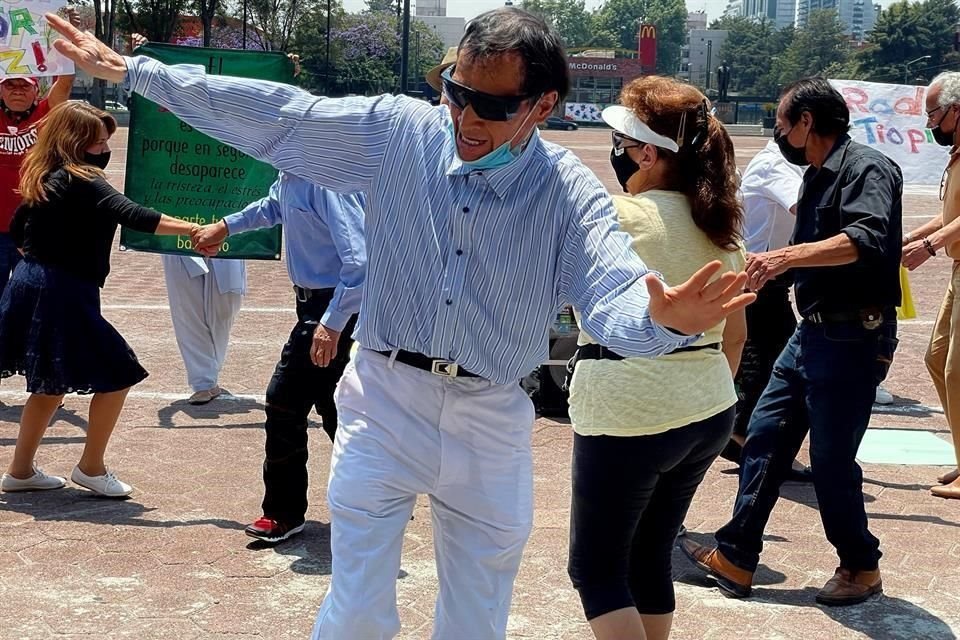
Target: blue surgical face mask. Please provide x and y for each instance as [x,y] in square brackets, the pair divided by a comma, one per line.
[499,157]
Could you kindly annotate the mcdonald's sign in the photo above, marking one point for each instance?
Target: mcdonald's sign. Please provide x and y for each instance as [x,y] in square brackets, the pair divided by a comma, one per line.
[647,48]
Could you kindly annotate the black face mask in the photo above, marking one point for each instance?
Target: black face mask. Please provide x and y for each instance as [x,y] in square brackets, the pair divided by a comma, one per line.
[624,166]
[99,160]
[792,154]
[941,137]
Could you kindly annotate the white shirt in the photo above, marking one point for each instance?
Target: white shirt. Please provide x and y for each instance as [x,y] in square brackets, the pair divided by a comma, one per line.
[770,186]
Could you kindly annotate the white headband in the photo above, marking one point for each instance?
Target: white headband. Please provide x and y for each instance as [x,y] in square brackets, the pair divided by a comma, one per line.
[624,121]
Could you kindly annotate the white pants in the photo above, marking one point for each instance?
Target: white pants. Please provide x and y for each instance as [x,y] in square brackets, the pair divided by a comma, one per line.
[202,318]
[463,441]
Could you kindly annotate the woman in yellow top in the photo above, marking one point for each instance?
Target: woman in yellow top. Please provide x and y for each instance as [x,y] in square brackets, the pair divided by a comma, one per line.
[647,430]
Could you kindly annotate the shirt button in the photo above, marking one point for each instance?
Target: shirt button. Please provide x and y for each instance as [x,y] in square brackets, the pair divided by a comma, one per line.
[466,209]
[459,252]
[449,301]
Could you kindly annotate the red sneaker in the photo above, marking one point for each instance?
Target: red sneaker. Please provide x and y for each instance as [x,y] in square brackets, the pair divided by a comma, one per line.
[270,530]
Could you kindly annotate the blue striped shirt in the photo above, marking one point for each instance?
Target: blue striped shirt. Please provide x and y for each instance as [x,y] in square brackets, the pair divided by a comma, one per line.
[323,231]
[468,266]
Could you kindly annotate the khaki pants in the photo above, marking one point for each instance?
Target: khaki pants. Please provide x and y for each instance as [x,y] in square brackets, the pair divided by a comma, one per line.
[943,357]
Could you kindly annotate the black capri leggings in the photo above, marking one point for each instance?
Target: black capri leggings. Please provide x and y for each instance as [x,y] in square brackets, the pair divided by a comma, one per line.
[630,496]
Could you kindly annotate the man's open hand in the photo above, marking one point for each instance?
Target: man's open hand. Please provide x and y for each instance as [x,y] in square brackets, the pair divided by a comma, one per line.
[87,53]
[698,304]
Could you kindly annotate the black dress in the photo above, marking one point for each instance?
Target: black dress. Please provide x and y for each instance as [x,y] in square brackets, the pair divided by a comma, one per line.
[51,328]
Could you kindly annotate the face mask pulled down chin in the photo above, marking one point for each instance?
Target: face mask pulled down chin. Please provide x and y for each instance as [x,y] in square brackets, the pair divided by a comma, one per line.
[502,155]
[792,154]
[624,166]
[99,160]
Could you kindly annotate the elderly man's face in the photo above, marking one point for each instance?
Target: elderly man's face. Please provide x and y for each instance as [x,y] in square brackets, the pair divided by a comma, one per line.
[18,94]
[502,76]
[944,117]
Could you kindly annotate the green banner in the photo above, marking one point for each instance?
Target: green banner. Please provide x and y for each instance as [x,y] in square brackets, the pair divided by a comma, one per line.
[183,173]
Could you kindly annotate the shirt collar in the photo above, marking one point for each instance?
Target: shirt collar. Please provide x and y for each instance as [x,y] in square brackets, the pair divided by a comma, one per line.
[502,178]
[834,160]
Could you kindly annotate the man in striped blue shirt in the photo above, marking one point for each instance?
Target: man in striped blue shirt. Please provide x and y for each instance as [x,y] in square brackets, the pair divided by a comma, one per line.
[477,231]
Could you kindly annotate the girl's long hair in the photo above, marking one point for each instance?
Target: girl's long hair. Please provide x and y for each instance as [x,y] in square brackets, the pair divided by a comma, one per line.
[64,136]
[705,168]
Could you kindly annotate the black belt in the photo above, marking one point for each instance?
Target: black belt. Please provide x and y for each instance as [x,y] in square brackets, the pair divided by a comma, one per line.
[305,294]
[435,366]
[599,352]
[866,316]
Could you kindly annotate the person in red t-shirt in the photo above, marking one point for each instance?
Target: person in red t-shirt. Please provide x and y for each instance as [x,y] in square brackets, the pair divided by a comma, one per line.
[21,109]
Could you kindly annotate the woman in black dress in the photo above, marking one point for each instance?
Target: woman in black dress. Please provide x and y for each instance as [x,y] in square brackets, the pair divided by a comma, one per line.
[51,328]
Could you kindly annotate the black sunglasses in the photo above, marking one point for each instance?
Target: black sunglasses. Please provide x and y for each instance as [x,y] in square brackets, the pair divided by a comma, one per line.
[486,106]
[622,141]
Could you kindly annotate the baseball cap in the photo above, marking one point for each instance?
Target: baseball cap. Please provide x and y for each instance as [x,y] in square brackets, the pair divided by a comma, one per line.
[29,79]
[433,76]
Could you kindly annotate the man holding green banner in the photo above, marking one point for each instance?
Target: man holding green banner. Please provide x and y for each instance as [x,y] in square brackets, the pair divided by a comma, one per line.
[205,294]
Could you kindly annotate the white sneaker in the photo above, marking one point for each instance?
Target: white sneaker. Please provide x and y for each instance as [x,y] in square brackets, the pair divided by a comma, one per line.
[106,485]
[883,396]
[39,481]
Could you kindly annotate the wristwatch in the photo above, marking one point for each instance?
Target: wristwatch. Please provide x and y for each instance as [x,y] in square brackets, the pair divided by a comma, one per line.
[929,247]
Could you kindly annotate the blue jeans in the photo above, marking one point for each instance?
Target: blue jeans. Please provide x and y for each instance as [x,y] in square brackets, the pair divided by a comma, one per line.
[9,257]
[824,381]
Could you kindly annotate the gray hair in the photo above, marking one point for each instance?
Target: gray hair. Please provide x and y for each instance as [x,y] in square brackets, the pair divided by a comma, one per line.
[949,83]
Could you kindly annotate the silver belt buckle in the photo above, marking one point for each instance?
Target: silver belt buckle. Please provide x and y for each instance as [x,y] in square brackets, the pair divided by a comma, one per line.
[444,368]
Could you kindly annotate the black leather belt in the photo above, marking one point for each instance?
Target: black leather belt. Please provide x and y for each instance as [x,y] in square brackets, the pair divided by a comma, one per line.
[599,352]
[866,316]
[305,294]
[437,367]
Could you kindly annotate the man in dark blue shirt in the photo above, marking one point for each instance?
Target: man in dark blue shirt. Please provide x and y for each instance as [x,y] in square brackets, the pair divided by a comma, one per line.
[845,259]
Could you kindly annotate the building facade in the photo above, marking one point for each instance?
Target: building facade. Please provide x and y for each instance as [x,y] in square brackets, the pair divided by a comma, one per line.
[431,8]
[858,16]
[595,83]
[700,57]
[448,29]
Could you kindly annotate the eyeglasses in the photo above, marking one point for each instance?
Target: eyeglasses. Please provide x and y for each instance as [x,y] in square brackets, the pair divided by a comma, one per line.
[622,141]
[485,105]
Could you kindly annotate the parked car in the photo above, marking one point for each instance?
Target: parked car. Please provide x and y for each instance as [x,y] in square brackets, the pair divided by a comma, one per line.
[556,122]
[111,105]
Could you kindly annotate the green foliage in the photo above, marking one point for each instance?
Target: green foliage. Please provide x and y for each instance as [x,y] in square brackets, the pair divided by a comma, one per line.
[906,32]
[577,26]
[623,18]
[820,46]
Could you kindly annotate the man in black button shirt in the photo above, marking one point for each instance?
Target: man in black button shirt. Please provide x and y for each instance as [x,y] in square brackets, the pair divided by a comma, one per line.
[844,258]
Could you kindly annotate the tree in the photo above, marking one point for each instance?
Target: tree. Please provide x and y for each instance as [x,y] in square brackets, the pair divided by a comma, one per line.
[158,20]
[819,46]
[568,17]
[748,49]
[624,17]
[906,32]
[206,11]
[365,52]
[104,21]
[383,6]
[276,21]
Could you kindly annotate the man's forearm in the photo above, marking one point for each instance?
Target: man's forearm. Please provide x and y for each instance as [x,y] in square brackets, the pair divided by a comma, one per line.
[832,252]
[60,91]
[944,235]
[927,228]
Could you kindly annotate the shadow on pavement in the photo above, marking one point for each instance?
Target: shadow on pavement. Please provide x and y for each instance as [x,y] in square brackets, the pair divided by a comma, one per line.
[685,572]
[913,518]
[77,505]
[880,618]
[309,551]
[225,405]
